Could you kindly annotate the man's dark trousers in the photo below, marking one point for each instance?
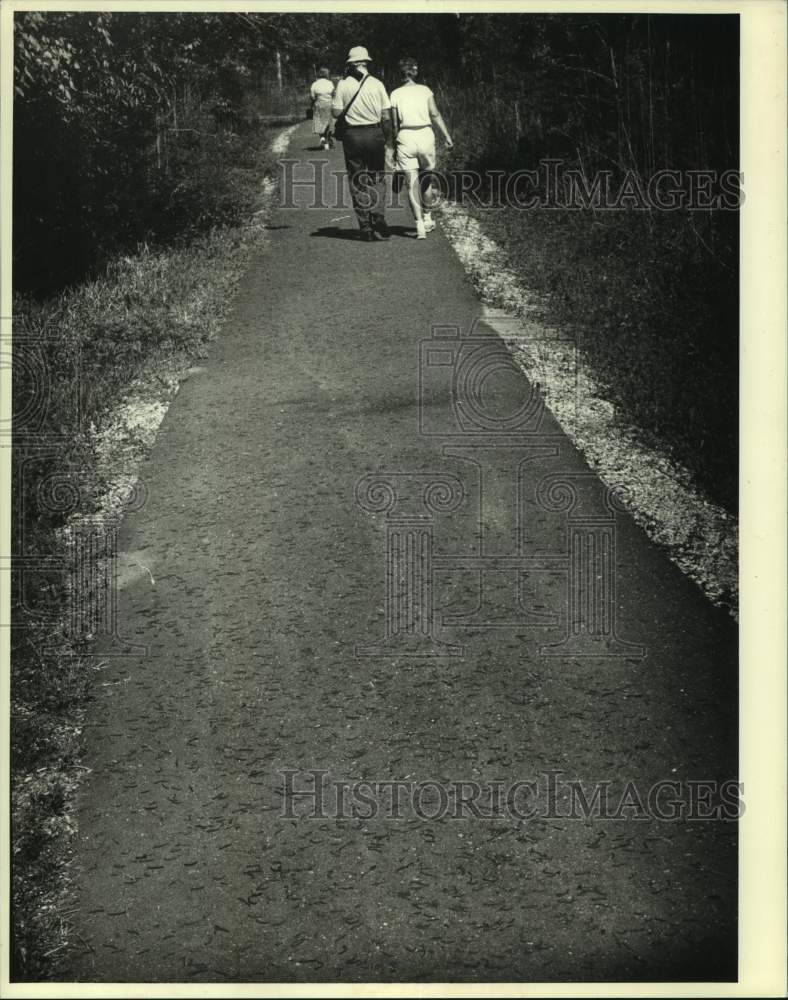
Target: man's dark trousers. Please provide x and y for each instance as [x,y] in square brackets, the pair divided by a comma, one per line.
[365,159]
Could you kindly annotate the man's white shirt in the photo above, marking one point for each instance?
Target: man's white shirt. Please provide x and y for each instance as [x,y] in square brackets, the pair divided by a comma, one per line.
[368,106]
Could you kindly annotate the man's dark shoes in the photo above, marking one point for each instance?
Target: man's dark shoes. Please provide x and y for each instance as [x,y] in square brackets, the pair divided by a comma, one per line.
[367,236]
[381,229]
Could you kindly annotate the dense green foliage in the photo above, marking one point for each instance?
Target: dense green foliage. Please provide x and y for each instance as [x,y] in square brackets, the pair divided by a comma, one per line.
[122,123]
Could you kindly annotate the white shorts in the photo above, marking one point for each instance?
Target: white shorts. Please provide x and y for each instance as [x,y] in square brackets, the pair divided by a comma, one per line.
[416,149]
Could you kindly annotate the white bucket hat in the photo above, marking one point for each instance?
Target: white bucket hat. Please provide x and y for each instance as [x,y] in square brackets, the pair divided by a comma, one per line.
[358,54]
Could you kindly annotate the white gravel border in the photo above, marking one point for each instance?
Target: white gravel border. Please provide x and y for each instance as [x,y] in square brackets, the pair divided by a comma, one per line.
[282,140]
[700,537]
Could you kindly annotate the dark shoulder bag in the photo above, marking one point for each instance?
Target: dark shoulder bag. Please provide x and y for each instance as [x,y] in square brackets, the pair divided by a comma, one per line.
[340,125]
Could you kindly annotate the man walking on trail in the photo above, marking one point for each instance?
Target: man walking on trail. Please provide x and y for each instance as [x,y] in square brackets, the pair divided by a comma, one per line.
[363,112]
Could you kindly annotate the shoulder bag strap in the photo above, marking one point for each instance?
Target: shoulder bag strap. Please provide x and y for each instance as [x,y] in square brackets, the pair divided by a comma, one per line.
[349,104]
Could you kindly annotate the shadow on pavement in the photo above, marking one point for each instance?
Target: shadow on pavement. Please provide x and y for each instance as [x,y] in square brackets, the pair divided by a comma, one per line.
[337,233]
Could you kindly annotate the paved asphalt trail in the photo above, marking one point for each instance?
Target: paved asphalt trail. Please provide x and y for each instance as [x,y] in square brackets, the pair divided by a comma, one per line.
[262,573]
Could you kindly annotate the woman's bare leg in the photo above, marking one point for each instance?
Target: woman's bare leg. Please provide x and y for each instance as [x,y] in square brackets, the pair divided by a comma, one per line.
[414,195]
[427,194]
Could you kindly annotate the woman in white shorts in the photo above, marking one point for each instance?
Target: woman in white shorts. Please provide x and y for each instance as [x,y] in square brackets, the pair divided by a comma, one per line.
[415,112]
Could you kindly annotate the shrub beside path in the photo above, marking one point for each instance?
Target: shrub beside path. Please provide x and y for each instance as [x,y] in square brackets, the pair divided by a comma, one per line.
[251,574]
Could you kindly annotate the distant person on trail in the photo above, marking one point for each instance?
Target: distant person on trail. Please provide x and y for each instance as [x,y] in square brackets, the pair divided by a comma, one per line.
[321,93]
[363,112]
[415,113]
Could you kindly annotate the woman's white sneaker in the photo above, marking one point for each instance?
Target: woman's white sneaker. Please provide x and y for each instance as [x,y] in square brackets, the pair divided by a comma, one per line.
[429,223]
[421,232]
